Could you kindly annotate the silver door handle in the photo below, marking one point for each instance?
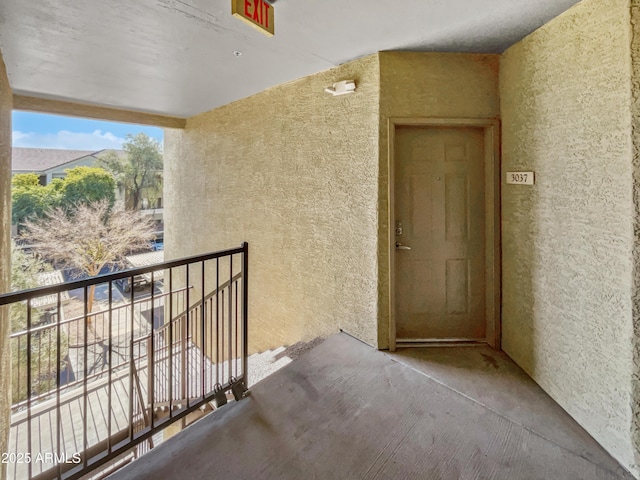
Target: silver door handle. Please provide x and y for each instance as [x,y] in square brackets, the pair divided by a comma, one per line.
[399,246]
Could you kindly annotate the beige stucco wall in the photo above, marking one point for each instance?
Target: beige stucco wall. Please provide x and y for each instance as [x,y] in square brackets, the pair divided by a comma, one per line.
[414,84]
[567,241]
[293,171]
[5,253]
[303,177]
[635,129]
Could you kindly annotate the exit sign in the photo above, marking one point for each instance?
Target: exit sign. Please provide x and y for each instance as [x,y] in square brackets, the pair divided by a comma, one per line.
[257,13]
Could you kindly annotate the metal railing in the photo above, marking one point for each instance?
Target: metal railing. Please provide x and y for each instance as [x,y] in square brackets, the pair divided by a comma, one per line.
[91,389]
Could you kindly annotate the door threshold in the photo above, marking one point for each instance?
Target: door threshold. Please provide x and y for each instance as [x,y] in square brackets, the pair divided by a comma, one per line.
[439,342]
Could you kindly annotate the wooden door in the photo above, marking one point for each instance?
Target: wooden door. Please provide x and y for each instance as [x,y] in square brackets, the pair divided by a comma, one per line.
[440,234]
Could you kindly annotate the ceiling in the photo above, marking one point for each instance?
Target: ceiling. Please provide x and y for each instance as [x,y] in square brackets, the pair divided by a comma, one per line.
[176,57]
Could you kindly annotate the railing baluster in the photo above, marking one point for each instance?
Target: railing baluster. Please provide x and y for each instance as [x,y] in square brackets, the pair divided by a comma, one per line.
[85,362]
[211,344]
[58,381]
[49,350]
[185,364]
[29,447]
[245,307]
[19,378]
[230,319]
[38,376]
[202,337]
[170,343]
[217,320]
[110,372]
[237,335]
[132,365]
[151,355]
[222,337]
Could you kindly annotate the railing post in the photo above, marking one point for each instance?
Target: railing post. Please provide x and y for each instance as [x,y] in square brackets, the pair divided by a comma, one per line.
[245,307]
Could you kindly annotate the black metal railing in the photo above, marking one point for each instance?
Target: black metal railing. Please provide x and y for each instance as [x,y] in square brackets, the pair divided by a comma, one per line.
[91,390]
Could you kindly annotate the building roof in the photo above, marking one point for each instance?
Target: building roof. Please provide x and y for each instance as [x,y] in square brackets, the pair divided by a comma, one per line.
[46,279]
[41,159]
[146,259]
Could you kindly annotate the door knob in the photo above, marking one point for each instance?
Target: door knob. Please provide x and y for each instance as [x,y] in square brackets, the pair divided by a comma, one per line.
[399,246]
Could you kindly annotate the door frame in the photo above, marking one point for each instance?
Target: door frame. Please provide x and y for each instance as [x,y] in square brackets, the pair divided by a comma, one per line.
[493,276]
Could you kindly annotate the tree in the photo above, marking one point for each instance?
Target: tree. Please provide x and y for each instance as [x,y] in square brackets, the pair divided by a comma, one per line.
[26,203]
[28,197]
[25,269]
[89,237]
[86,185]
[138,169]
[81,185]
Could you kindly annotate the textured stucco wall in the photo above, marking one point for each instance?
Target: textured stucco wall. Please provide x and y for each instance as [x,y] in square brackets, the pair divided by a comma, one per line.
[415,84]
[567,241]
[5,254]
[293,171]
[635,129]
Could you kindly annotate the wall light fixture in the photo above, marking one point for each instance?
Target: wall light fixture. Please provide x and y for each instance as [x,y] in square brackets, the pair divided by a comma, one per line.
[342,88]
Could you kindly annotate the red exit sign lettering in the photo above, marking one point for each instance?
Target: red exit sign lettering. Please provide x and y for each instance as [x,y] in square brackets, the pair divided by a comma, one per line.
[257,13]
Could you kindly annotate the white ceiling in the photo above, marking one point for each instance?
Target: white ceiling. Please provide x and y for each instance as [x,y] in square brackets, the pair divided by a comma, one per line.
[175,57]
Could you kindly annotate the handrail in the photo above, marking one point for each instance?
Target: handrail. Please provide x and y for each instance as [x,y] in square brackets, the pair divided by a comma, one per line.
[185,361]
[13,297]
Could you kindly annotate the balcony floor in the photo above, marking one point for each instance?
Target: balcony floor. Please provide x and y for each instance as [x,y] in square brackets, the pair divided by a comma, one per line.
[347,411]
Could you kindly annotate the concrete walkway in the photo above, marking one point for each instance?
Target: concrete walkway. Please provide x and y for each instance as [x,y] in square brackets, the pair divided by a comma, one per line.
[346,411]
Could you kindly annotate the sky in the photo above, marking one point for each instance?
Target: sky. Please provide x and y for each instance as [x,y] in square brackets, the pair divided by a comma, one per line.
[37,130]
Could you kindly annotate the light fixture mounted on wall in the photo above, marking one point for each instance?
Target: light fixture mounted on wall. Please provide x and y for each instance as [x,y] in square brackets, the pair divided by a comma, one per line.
[341,88]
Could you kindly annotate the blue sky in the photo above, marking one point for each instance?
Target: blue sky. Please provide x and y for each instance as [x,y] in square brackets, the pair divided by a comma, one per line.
[37,130]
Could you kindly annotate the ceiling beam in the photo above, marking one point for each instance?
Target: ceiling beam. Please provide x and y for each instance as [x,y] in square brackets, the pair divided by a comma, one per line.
[58,107]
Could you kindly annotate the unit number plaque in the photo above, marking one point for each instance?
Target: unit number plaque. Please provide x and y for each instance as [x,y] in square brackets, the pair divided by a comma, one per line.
[520,178]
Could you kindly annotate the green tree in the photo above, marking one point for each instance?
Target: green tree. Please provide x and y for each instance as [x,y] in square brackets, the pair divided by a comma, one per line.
[85,186]
[138,169]
[24,181]
[81,185]
[27,197]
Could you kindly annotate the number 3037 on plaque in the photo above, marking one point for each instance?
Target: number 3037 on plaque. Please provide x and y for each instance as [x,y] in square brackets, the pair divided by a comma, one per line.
[520,178]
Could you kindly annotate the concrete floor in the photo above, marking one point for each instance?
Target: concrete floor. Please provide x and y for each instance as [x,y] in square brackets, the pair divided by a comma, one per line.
[346,411]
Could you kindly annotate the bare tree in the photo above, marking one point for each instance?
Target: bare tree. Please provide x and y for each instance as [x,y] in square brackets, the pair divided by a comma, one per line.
[88,238]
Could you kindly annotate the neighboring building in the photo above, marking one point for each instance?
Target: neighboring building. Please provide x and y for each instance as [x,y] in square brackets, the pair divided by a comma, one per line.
[50,163]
